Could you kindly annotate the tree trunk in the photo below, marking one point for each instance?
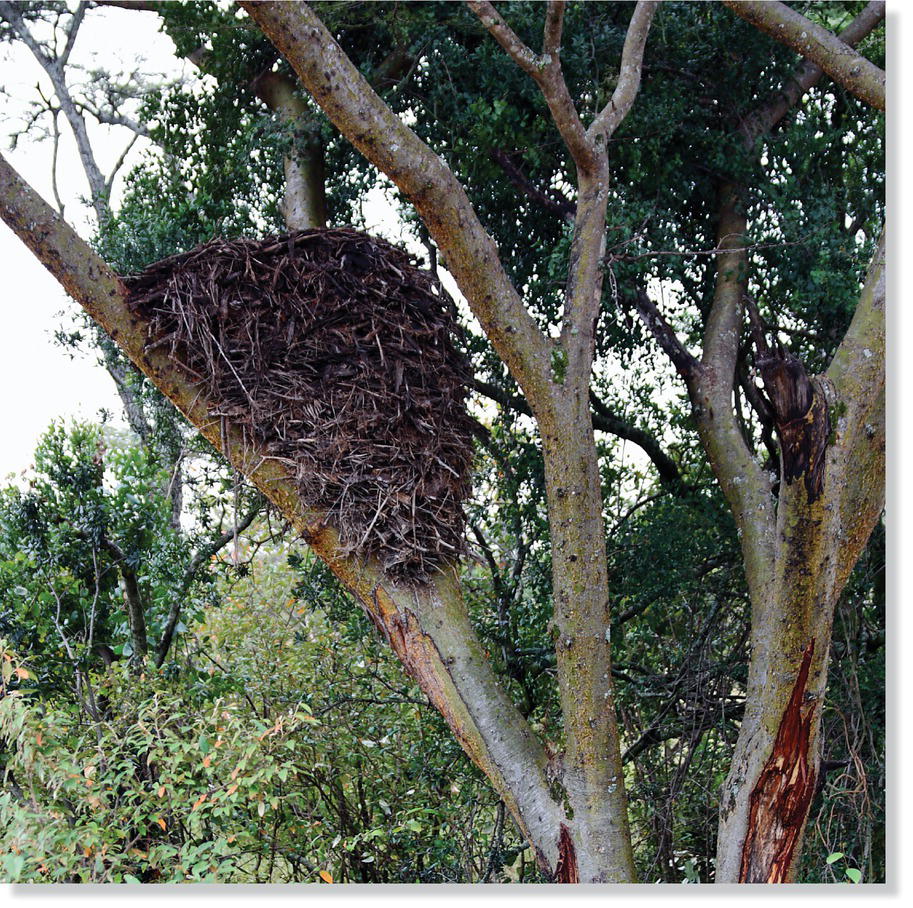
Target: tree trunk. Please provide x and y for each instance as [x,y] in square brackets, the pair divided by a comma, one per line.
[304,199]
[428,627]
[832,442]
[798,547]
[596,835]
[590,836]
[596,840]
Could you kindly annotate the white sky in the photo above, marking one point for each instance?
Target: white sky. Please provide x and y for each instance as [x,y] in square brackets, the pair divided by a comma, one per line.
[45,382]
[41,381]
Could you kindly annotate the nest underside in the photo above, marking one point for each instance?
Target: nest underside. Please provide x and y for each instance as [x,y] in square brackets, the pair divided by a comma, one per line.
[335,355]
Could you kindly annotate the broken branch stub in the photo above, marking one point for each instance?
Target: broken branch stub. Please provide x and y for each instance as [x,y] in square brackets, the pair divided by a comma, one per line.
[335,355]
[801,417]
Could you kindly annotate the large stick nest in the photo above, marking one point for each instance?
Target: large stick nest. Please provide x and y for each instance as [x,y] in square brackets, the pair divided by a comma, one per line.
[335,354]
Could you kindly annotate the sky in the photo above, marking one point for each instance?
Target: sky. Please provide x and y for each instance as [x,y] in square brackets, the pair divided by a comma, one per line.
[43,383]
[46,383]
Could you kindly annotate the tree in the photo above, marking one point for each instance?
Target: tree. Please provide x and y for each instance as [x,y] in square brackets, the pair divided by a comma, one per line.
[803,518]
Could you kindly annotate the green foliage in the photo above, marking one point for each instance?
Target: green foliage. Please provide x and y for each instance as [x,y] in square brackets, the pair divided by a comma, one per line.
[59,579]
[95,510]
[280,749]
[851,874]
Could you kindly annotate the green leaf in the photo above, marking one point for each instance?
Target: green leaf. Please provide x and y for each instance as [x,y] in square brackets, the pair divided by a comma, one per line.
[835,856]
[14,864]
[853,874]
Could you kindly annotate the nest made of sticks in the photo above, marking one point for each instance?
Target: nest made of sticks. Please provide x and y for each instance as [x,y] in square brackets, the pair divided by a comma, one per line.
[335,354]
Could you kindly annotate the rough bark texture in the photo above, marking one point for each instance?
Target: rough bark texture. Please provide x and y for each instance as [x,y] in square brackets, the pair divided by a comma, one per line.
[802,420]
[821,526]
[592,769]
[554,376]
[592,774]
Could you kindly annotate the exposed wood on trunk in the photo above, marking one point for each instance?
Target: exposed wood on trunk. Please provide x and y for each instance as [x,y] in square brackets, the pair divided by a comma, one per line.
[566,871]
[454,672]
[553,375]
[782,796]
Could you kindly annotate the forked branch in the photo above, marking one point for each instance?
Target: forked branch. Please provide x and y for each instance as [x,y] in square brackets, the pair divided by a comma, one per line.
[585,145]
[545,70]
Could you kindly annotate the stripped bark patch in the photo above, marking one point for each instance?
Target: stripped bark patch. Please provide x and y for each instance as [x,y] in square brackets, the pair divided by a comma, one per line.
[780,800]
[422,661]
[566,869]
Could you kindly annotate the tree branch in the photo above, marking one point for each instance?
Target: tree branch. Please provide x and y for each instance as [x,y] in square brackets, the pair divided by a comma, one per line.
[304,202]
[201,556]
[132,407]
[857,373]
[551,200]
[55,72]
[665,336]
[632,55]
[145,6]
[710,384]
[604,420]
[545,70]
[136,609]
[853,71]
[75,22]
[428,627]
[112,117]
[115,169]
[554,22]
[583,295]
[805,77]
[746,487]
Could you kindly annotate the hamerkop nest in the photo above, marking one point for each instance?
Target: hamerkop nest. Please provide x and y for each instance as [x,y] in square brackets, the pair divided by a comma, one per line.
[334,354]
